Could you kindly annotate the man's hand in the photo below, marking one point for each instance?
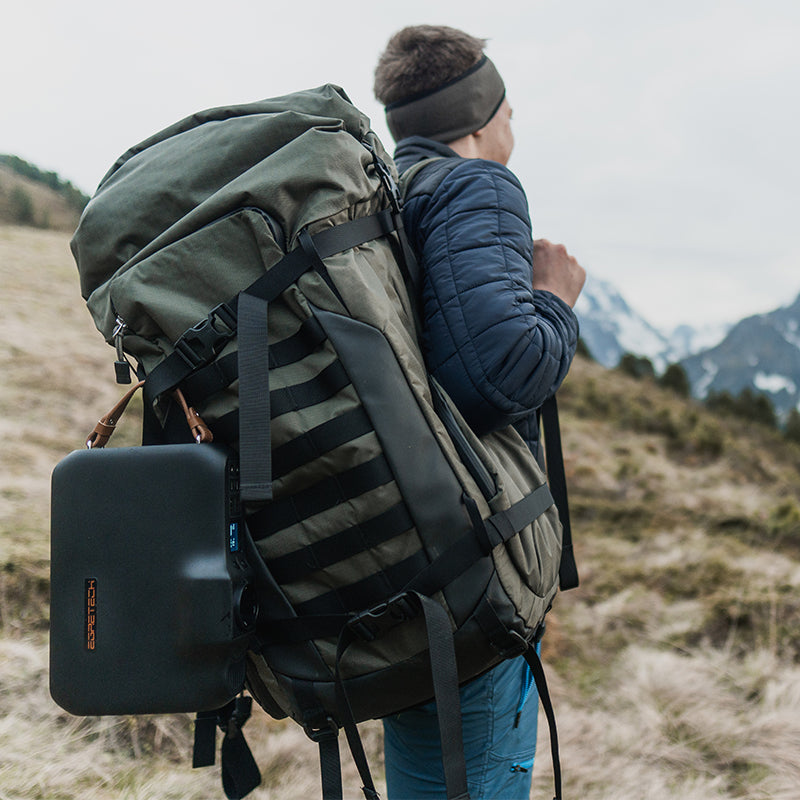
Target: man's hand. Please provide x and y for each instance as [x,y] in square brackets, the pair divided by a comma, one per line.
[556,271]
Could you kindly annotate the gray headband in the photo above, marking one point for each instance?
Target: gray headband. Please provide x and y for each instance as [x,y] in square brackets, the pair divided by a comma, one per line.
[460,107]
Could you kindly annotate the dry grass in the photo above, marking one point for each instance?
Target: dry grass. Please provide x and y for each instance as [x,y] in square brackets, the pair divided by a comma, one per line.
[674,667]
[49,754]
[694,726]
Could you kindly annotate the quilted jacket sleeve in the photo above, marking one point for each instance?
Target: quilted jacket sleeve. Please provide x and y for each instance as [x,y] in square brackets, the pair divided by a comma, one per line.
[498,347]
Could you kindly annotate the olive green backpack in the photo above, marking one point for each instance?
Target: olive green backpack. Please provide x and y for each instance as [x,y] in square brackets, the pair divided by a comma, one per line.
[253,257]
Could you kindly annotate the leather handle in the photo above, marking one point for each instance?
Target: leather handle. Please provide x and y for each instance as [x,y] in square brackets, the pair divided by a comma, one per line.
[200,431]
[107,424]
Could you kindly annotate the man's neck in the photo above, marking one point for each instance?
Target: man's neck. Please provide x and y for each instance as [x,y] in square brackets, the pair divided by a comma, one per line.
[466,146]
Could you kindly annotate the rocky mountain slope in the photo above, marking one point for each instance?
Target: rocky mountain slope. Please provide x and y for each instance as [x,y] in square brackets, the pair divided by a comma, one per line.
[760,352]
[610,327]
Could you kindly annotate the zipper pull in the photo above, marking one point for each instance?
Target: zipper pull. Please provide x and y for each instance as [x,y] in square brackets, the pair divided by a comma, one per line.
[121,366]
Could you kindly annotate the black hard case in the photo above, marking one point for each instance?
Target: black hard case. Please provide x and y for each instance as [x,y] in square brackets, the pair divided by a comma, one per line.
[149,609]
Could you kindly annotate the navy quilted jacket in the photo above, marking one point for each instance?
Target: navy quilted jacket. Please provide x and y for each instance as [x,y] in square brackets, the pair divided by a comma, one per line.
[499,348]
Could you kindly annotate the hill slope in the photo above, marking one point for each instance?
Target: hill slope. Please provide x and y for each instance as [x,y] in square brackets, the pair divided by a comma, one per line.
[673,668]
[26,201]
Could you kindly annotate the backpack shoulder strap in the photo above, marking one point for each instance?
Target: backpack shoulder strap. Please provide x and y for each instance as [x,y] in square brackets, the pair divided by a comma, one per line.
[568,571]
[409,177]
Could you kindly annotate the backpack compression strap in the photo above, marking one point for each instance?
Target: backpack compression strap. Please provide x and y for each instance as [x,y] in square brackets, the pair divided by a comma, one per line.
[246,315]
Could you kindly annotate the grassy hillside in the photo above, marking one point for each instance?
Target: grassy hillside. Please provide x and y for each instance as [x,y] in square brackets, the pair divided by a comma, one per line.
[673,668]
[37,199]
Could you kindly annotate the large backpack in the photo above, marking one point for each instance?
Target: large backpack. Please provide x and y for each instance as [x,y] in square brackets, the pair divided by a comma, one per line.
[253,257]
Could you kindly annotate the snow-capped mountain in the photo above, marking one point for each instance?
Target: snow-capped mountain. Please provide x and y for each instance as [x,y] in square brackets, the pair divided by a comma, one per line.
[761,352]
[610,327]
[685,340]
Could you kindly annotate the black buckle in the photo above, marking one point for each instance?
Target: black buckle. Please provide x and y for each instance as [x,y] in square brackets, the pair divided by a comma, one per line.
[319,732]
[375,622]
[511,644]
[233,716]
[388,181]
[201,343]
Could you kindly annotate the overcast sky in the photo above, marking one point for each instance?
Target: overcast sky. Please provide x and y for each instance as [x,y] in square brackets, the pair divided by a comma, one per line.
[658,141]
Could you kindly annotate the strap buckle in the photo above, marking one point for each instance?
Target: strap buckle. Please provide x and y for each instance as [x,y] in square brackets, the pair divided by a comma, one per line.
[388,181]
[325,729]
[511,645]
[202,342]
[375,622]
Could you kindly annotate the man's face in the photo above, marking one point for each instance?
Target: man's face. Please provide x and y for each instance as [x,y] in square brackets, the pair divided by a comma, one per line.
[496,141]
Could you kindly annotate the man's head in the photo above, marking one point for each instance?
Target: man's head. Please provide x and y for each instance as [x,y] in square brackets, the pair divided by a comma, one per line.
[436,82]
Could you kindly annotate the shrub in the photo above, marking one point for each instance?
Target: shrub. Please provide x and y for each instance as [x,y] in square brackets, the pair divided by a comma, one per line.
[583,351]
[792,429]
[675,379]
[21,206]
[636,366]
[748,404]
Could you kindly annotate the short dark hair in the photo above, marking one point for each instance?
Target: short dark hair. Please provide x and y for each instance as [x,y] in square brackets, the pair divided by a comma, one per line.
[423,57]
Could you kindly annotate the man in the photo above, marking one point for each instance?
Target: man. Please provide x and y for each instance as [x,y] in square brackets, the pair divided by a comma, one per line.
[499,335]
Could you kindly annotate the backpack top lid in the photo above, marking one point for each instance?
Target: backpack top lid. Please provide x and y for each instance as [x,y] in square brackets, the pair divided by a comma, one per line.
[200,168]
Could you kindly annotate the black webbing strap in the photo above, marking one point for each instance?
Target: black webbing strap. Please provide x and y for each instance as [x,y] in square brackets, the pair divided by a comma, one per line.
[319,440]
[450,564]
[222,372]
[367,592]
[323,730]
[327,242]
[330,767]
[568,571]
[470,548]
[448,702]
[340,546]
[444,672]
[534,662]
[204,752]
[348,719]
[321,387]
[240,773]
[505,524]
[202,343]
[255,442]
[321,496]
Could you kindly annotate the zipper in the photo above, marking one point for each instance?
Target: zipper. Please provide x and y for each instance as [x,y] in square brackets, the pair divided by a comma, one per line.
[527,685]
[471,460]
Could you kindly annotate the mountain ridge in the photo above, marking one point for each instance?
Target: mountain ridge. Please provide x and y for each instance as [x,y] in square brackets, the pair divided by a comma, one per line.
[760,352]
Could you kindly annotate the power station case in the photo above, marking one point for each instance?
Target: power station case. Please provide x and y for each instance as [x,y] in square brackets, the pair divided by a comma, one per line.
[151,605]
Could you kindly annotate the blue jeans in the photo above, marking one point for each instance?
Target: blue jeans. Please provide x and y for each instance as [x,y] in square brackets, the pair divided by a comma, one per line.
[499,748]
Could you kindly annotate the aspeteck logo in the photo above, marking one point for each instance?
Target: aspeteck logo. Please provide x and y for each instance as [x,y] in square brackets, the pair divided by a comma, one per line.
[91,613]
